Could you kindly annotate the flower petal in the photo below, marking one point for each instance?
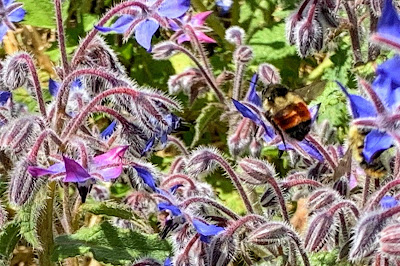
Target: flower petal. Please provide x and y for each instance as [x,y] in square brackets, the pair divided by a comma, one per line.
[54,169]
[388,202]
[206,230]
[74,171]
[113,156]
[53,87]
[183,38]
[144,31]
[4,96]
[3,31]
[146,176]
[360,107]
[167,262]
[17,15]
[311,150]
[162,206]
[149,145]
[252,95]
[173,8]
[246,112]
[108,131]
[119,26]
[314,112]
[389,22]
[200,18]
[203,38]
[376,142]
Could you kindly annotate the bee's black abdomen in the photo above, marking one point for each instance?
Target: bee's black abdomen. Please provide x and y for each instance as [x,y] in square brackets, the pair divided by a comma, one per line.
[299,131]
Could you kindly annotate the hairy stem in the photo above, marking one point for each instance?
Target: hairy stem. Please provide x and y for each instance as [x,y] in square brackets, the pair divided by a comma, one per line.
[354,34]
[61,37]
[237,83]
[210,202]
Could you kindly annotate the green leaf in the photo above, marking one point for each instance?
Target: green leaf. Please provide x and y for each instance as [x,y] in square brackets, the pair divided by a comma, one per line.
[22,95]
[208,114]
[109,244]
[40,13]
[9,237]
[109,209]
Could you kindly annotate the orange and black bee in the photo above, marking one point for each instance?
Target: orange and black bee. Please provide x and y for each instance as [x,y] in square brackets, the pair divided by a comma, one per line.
[286,111]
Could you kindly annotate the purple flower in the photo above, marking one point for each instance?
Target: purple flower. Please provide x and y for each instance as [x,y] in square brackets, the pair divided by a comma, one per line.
[196,22]
[105,167]
[388,202]
[206,230]
[252,95]
[388,29]
[147,21]
[163,206]
[10,12]
[4,96]
[167,262]
[54,86]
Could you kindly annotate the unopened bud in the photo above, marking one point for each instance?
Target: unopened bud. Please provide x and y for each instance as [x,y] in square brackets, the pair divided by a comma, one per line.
[321,228]
[202,161]
[164,50]
[308,37]
[366,234]
[269,74]
[255,148]
[322,198]
[147,262]
[291,23]
[342,186]
[23,185]
[222,250]
[15,71]
[243,54]
[235,35]
[240,139]
[257,171]
[390,240]
[270,234]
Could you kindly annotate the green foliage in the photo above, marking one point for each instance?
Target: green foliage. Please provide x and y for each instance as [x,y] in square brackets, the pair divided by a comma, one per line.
[39,13]
[208,114]
[9,237]
[109,244]
[109,209]
[327,258]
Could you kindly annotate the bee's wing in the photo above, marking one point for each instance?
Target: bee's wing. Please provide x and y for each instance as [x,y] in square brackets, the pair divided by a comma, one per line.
[312,91]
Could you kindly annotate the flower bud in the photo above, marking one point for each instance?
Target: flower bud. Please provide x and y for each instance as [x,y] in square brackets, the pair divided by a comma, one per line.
[243,54]
[240,139]
[257,171]
[291,23]
[390,240]
[342,186]
[235,35]
[269,198]
[322,199]
[222,250]
[322,227]
[366,234]
[308,37]
[164,50]
[141,202]
[255,148]
[269,74]
[202,161]
[23,185]
[147,262]
[15,71]
[269,234]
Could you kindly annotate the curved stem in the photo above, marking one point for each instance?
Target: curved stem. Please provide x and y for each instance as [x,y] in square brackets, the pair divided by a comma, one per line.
[237,83]
[365,191]
[382,192]
[32,156]
[210,202]
[378,104]
[74,124]
[281,199]
[236,181]
[61,37]
[322,150]
[179,176]
[178,143]
[111,112]
[230,230]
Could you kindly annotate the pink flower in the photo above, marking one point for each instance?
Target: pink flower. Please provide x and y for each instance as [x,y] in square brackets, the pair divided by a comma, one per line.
[196,22]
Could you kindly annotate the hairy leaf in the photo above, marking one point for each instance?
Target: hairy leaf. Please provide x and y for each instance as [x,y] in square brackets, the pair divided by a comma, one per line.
[208,114]
[9,237]
[109,244]
[109,209]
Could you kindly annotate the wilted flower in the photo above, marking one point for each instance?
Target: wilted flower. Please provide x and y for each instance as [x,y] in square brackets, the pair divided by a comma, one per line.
[196,23]
[147,21]
[10,12]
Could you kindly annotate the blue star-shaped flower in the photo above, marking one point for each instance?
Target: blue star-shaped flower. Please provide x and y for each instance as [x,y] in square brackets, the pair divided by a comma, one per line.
[10,12]
[148,20]
[388,202]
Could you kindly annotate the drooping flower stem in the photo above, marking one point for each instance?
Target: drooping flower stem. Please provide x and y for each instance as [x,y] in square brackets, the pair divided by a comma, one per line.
[189,245]
[74,124]
[236,181]
[300,182]
[379,106]
[365,191]
[272,182]
[36,82]
[63,93]
[173,177]
[32,156]
[210,202]
[396,170]
[342,204]
[230,230]
[382,192]
[237,82]
[178,143]
[45,228]
[111,112]
[380,39]
[61,37]
[66,209]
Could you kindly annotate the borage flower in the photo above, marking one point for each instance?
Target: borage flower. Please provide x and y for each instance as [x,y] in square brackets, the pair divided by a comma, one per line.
[388,29]
[10,12]
[4,96]
[145,20]
[388,202]
[196,23]
[104,167]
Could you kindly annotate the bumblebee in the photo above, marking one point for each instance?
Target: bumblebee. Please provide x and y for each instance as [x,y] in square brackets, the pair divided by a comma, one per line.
[376,168]
[286,111]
